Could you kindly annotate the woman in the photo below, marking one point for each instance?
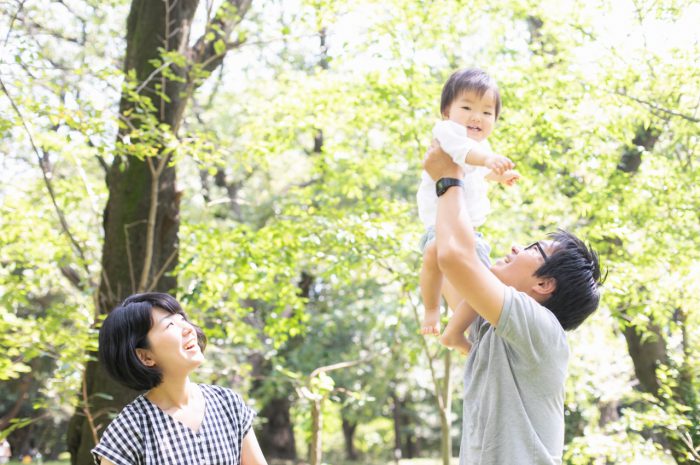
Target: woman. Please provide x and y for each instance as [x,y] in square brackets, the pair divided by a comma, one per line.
[147,344]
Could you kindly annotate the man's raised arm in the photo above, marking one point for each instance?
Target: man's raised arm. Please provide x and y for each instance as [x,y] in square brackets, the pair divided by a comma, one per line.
[456,244]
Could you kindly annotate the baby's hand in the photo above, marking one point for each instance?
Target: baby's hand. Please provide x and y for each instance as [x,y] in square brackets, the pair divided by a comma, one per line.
[499,164]
[509,177]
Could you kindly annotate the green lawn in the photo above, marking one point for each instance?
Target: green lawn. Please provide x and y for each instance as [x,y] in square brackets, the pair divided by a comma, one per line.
[402,462]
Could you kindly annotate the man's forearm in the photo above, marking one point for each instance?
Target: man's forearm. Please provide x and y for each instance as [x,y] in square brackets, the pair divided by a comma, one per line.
[454,232]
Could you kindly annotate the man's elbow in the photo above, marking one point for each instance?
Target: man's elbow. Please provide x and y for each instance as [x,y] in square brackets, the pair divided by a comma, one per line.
[457,262]
[450,257]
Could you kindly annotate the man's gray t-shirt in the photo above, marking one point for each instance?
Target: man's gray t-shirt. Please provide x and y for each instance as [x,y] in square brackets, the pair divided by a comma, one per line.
[514,387]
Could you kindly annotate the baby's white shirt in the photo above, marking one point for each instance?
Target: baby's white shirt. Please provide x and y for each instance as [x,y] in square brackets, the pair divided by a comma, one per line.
[454,141]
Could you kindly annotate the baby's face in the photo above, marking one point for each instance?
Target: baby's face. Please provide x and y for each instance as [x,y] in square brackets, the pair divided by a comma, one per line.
[477,114]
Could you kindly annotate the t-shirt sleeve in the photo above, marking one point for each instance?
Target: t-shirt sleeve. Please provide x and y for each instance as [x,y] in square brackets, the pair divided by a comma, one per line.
[475,329]
[241,411]
[454,141]
[530,329]
[122,441]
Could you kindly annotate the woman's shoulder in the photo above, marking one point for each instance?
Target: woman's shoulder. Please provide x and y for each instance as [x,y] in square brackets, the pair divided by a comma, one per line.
[229,407]
[131,416]
[219,392]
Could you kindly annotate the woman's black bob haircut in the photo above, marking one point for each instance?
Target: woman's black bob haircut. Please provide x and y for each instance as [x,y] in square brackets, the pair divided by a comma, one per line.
[126,329]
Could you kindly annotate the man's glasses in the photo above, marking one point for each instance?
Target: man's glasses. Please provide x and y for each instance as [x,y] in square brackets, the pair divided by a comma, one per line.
[538,246]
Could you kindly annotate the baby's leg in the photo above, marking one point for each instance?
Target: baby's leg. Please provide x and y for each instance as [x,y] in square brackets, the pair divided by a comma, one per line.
[430,289]
[463,316]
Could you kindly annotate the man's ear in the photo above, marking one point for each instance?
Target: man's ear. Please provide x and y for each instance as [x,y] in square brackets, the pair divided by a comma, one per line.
[145,356]
[545,287]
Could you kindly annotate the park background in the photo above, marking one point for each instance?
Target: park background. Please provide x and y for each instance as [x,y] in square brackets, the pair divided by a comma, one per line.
[285,139]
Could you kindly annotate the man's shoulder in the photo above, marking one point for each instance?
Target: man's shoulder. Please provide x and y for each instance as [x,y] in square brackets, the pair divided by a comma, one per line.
[527,324]
[523,305]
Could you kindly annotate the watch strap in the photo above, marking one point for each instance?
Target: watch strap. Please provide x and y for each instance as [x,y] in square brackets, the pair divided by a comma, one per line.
[443,184]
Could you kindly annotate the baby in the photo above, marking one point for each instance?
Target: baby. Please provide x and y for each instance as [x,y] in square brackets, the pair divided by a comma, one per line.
[470,105]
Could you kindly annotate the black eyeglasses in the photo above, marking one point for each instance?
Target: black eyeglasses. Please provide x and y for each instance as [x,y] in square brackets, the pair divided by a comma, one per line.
[539,248]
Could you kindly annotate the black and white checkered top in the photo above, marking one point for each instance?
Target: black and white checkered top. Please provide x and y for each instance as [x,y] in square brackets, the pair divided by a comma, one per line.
[145,435]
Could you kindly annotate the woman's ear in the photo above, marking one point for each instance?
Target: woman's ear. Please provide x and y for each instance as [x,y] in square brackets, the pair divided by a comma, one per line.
[145,356]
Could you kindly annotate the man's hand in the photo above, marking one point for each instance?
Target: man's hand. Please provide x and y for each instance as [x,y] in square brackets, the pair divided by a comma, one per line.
[499,164]
[438,164]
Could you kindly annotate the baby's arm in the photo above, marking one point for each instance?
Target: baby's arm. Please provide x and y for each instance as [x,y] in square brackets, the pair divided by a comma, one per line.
[482,156]
[454,141]
[509,177]
[463,150]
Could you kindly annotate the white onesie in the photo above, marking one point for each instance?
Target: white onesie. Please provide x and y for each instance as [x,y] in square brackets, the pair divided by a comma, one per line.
[454,141]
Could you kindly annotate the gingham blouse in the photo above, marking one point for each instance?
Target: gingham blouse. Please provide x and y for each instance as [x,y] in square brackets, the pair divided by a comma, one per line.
[145,435]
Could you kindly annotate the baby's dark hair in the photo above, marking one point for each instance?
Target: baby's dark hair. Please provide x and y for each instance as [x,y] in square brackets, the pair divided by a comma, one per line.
[469,80]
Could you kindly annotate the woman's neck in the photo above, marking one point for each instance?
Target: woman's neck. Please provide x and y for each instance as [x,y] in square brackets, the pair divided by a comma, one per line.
[172,393]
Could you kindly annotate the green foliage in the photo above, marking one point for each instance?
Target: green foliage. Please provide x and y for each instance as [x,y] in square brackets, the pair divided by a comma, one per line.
[303,253]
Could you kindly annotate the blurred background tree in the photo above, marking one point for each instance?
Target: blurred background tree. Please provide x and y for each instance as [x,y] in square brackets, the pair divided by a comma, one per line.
[296,129]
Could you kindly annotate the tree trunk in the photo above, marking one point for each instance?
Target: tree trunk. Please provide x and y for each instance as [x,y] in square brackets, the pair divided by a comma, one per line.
[316,432]
[349,428]
[277,435]
[647,347]
[446,413]
[647,353]
[141,218]
[396,411]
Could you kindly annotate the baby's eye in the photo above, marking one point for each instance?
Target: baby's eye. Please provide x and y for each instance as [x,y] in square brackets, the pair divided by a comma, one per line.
[466,108]
[487,113]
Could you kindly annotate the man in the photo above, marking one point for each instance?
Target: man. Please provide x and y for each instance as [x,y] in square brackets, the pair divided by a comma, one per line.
[514,377]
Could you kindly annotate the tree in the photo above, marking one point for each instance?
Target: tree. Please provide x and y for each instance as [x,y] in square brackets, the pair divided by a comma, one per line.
[141,219]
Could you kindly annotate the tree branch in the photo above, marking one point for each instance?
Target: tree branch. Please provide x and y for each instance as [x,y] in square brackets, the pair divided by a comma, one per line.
[653,106]
[61,217]
[12,21]
[22,396]
[151,224]
[431,359]
[204,51]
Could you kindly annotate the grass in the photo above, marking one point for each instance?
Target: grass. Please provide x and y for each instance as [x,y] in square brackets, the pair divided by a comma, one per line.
[422,461]
[275,462]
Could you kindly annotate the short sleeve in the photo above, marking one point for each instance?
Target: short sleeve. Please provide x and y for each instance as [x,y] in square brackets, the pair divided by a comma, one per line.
[242,412]
[475,329]
[531,329]
[454,141]
[122,441]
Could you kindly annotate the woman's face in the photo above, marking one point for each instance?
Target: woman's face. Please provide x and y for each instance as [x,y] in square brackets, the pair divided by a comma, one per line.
[173,344]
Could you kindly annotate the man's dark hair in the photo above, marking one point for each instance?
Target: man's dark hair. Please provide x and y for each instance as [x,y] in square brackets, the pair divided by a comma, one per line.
[576,270]
[469,80]
[126,329]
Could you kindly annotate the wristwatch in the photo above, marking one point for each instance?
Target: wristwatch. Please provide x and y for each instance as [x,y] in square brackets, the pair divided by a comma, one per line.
[445,183]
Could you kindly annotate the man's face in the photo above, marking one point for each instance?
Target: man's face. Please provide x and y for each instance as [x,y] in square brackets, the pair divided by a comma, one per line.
[477,114]
[517,269]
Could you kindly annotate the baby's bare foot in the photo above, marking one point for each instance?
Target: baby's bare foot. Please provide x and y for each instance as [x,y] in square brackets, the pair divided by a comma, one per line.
[431,322]
[456,341]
